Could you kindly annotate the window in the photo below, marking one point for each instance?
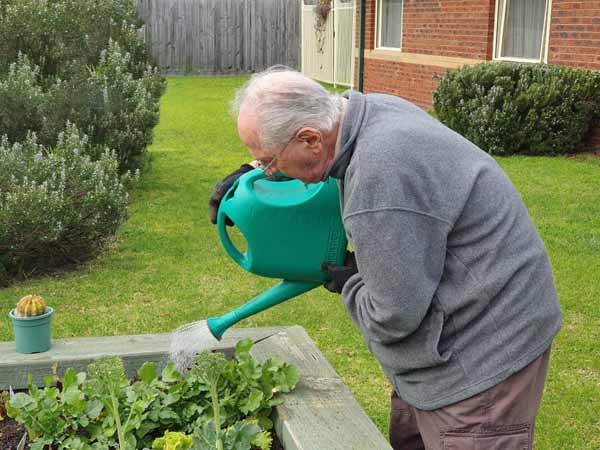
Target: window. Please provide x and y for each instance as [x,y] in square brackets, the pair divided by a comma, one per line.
[521,29]
[389,23]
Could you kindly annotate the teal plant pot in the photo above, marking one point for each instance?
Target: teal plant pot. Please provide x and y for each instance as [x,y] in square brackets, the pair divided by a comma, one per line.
[32,334]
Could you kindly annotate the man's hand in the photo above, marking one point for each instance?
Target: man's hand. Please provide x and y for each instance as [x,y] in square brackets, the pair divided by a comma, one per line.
[222,188]
[339,274]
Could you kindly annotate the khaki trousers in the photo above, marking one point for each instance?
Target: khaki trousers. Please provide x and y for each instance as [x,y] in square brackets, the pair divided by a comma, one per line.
[501,418]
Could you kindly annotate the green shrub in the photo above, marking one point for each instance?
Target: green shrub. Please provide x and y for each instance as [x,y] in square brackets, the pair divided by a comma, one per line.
[125,111]
[56,207]
[112,107]
[21,100]
[61,35]
[507,108]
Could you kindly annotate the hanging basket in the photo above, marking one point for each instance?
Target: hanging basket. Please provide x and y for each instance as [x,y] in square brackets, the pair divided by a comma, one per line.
[322,10]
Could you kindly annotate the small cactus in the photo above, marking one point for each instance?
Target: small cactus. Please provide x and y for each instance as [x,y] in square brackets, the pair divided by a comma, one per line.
[31,306]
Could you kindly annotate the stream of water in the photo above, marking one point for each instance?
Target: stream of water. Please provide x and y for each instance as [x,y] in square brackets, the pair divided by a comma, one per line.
[188,341]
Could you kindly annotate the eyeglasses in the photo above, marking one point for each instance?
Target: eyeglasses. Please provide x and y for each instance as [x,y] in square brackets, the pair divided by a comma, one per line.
[266,168]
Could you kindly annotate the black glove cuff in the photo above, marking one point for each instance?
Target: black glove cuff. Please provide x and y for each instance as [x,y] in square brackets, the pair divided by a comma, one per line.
[221,189]
[339,274]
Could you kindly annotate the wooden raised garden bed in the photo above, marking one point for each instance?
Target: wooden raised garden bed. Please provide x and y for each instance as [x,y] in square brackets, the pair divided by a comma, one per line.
[320,414]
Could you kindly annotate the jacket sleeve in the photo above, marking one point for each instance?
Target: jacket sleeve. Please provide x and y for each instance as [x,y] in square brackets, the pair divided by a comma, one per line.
[400,255]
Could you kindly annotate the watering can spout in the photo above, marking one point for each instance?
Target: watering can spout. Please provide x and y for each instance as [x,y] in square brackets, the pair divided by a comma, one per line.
[279,293]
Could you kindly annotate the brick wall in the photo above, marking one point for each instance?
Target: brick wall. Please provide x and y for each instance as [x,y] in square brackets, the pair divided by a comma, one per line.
[459,28]
[369,24]
[575,33]
[414,82]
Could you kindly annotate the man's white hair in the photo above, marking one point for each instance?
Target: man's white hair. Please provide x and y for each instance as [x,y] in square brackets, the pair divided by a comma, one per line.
[284,101]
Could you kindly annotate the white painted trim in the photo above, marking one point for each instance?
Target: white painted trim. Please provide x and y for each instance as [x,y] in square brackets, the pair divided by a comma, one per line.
[543,39]
[525,60]
[377,23]
[354,51]
[391,49]
[334,52]
[547,27]
[502,28]
[301,37]
[496,31]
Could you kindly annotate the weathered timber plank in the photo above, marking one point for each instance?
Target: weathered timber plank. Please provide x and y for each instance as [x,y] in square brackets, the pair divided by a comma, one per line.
[321,413]
[79,352]
[295,346]
[221,36]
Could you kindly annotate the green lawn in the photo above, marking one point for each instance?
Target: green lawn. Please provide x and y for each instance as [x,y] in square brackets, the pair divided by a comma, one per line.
[166,266]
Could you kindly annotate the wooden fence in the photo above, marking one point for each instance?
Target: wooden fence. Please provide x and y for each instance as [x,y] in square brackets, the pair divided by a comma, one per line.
[221,36]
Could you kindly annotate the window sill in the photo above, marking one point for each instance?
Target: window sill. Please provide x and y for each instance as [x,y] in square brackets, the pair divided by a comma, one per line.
[520,60]
[417,58]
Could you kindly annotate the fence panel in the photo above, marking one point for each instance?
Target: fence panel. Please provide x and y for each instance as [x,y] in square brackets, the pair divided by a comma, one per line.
[345,19]
[221,36]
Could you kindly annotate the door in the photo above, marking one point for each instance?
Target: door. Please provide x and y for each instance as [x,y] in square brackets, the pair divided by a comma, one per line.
[328,41]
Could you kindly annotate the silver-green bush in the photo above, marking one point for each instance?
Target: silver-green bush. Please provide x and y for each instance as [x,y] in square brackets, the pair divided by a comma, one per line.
[113,107]
[57,206]
[21,100]
[85,63]
[60,36]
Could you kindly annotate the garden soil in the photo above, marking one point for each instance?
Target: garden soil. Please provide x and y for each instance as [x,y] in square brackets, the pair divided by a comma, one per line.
[11,433]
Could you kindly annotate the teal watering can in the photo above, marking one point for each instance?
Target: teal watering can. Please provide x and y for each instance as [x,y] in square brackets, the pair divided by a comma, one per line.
[290,229]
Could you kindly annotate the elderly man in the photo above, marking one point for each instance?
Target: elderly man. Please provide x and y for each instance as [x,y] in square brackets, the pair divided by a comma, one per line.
[451,285]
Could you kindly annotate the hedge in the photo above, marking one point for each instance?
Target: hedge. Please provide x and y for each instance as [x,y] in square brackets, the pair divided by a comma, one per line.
[509,108]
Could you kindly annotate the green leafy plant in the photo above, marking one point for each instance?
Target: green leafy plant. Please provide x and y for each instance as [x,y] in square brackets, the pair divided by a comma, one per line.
[126,405]
[209,368]
[223,404]
[509,108]
[54,416]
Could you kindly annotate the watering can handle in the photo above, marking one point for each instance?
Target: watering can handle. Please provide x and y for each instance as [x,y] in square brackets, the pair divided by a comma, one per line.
[233,252]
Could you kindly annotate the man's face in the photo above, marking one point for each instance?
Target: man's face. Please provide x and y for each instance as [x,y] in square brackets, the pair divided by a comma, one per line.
[303,157]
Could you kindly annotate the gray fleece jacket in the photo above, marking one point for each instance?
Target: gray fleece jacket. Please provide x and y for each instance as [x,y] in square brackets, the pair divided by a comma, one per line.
[455,290]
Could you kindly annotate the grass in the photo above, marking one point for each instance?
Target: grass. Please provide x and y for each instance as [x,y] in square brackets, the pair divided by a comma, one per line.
[166,266]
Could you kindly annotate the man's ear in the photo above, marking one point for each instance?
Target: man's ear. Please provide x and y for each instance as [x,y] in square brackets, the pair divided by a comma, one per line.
[311,136]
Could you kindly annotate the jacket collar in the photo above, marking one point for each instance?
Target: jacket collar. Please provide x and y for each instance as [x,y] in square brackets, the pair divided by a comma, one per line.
[351,125]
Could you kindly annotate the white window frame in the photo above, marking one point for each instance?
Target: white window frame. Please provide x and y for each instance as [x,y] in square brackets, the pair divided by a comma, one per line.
[499,35]
[378,28]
